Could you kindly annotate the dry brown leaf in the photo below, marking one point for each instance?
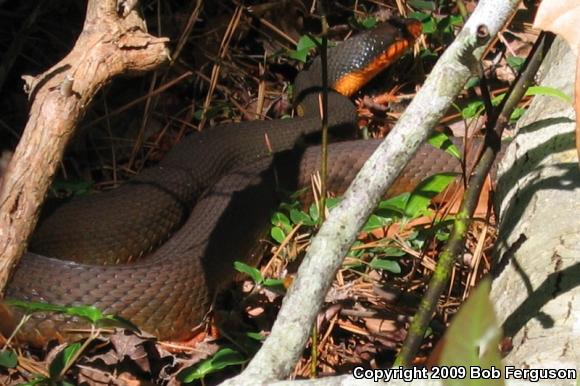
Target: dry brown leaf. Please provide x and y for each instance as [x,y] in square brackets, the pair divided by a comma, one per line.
[131,346]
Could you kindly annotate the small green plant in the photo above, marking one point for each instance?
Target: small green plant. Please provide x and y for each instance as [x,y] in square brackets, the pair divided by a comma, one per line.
[364,23]
[68,355]
[72,188]
[516,62]
[443,142]
[283,223]
[305,44]
[220,108]
[90,313]
[8,359]
[476,108]
[257,277]
[401,208]
[439,27]
[223,358]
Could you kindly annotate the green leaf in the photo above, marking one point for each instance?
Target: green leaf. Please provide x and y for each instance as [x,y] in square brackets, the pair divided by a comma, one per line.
[8,359]
[62,359]
[472,109]
[278,234]
[442,141]
[425,191]
[313,212]
[385,265]
[31,307]
[252,272]
[364,23]
[496,100]
[391,251]
[355,252]
[533,91]
[305,44]
[277,284]
[299,217]
[273,282]
[282,221]
[429,23]
[256,336]
[222,359]
[429,26]
[300,55]
[397,203]
[368,22]
[417,239]
[357,264]
[423,4]
[73,188]
[516,62]
[456,20]
[331,202]
[549,91]
[91,313]
[421,16]
[427,54]
[444,25]
[375,222]
[473,337]
[517,114]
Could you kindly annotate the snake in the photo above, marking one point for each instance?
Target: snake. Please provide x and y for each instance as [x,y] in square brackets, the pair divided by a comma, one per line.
[157,249]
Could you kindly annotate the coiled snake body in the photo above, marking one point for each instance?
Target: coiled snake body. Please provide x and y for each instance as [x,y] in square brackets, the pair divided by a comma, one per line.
[219,186]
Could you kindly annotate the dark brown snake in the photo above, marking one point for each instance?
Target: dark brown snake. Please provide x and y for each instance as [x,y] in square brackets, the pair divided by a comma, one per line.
[205,204]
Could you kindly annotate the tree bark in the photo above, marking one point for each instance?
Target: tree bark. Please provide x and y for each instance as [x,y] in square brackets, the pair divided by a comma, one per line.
[112,42]
[536,286]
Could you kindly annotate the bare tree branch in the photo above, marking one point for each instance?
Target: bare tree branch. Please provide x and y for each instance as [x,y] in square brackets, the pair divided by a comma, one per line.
[109,45]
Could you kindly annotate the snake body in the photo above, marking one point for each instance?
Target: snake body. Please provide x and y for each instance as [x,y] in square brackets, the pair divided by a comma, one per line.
[199,210]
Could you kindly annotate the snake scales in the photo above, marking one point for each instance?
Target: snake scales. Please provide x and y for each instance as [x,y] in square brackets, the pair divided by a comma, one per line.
[203,206]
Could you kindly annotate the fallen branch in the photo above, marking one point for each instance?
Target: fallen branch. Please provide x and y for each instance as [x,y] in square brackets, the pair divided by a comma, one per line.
[113,42]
